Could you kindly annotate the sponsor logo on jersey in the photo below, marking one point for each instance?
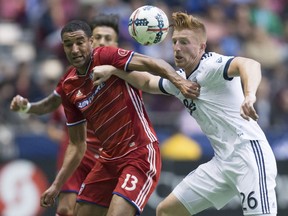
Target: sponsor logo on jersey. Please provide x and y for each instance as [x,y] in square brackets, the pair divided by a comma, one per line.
[84,103]
[79,94]
[190,105]
[219,60]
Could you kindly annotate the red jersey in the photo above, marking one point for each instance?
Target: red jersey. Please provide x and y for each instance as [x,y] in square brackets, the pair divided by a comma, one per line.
[114,109]
[93,144]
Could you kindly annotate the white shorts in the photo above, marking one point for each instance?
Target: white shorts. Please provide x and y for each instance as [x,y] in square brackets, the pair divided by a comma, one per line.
[249,173]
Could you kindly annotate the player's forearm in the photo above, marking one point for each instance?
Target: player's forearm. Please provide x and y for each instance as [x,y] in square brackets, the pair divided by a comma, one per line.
[72,159]
[47,105]
[167,71]
[155,66]
[141,80]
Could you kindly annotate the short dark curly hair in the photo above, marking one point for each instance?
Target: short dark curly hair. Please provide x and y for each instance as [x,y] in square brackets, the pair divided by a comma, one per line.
[76,25]
[109,20]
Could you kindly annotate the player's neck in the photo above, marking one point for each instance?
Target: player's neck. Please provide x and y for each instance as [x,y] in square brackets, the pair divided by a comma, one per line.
[85,69]
[193,64]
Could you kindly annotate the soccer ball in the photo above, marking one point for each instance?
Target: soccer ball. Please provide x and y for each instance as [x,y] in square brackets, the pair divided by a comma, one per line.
[148,25]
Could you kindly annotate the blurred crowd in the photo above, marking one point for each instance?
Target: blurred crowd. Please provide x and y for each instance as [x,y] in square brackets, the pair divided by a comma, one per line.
[32,59]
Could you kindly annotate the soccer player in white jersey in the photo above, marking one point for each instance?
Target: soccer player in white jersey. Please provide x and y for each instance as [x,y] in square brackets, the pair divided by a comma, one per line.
[244,164]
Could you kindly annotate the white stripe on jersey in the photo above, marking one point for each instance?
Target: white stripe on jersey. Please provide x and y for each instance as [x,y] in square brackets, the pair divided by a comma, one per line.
[128,61]
[75,123]
[150,174]
[115,132]
[138,107]
[262,176]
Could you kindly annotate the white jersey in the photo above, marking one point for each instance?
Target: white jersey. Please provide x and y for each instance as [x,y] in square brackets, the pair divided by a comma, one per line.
[217,109]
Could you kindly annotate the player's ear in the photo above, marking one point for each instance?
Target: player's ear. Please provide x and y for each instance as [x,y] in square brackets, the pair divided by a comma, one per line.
[202,47]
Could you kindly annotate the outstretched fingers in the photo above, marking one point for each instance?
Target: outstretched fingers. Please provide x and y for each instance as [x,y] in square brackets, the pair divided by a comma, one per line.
[190,89]
[247,110]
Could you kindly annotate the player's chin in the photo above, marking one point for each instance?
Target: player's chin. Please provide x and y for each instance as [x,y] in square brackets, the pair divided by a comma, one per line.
[178,63]
[79,60]
[78,64]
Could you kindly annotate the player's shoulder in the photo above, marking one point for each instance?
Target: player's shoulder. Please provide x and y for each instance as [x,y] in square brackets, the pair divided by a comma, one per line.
[69,79]
[100,49]
[213,58]
[108,52]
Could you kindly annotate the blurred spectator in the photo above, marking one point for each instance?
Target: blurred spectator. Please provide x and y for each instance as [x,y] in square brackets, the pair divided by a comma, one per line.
[243,23]
[263,105]
[48,74]
[280,110]
[13,11]
[56,14]
[215,22]
[263,48]
[8,149]
[264,17]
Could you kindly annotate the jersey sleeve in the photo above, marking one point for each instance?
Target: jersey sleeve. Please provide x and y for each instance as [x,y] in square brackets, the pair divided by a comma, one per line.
[114,56]
[58,90]
[215,69]
[168,87]
[72,113]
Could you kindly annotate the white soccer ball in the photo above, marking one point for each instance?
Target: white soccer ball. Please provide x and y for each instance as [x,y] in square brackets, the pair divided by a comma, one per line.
[148,25]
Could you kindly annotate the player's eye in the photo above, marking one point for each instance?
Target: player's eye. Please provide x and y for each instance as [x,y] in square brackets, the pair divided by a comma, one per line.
[80,42]
[108,38]
[68,44]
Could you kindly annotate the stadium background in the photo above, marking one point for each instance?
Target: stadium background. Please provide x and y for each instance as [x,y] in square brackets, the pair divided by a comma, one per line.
[30,43]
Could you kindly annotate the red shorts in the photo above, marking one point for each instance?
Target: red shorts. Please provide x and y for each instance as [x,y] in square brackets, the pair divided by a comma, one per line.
[73,184]
[133,177]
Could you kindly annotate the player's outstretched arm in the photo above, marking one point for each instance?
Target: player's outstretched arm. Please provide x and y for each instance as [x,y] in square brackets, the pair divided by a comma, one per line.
[161,68]
[44,106]
[140,80]
[250,72]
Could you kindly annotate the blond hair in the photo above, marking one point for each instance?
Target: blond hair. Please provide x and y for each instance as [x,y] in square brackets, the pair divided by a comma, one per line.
[183,21]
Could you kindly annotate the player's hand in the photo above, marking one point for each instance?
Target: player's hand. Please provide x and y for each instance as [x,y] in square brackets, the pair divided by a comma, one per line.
[247,110]
[102,73]
[19,104]
[49,196]
[189,89]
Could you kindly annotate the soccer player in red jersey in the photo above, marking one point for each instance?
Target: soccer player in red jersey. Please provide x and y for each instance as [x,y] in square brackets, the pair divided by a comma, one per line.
[129,162]
[105,33]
